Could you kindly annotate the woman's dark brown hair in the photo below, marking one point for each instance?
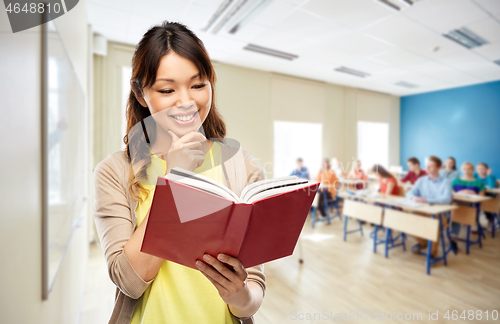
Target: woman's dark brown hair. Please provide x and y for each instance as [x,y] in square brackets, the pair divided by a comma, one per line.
[377,168]
[154,45]
[454,162]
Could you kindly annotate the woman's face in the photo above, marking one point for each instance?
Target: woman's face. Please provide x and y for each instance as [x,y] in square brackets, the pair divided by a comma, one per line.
[449,164]
[179,100]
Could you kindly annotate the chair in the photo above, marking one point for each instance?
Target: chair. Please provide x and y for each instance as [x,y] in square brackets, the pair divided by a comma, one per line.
[327,209]
[362,212]
[424,227]
[493,206]
[401,191]
[467,216]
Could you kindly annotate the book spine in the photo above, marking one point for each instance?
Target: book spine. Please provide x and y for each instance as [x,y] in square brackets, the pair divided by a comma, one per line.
[236,228]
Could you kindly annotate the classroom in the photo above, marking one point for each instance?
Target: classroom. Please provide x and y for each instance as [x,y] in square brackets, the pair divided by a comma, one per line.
[386,111]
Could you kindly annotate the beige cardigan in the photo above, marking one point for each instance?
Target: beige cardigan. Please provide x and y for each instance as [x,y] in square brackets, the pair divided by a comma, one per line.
[115,218]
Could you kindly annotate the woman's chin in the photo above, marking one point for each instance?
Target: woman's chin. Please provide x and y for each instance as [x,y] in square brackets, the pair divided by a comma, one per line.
[183,130]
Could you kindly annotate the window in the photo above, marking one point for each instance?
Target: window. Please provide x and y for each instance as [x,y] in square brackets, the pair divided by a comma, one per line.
[373,143]
[293,140]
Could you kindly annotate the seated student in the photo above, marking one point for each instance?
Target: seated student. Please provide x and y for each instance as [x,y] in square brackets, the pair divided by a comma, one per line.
[467,185]
[484,174]
[337,168]
[358,174]
[414,171]
[301,171]
[431,189]
[449,170]
[329,182]
[388,184]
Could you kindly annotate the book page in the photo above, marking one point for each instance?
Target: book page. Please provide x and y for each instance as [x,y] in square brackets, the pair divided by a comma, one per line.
[267,185]
[276,191]
[201,182]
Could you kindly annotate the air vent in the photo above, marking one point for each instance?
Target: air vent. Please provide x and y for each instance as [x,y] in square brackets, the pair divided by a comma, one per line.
[466,38]
[390,4]
[350,71]
[234,14]
[269,51]
[406,84]
[497,62]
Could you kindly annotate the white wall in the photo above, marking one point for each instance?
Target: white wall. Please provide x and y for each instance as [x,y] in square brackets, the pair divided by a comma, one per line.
[20,232]
[250,100]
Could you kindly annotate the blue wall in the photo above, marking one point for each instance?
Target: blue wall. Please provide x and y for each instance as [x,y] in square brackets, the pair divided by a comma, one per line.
[461,122]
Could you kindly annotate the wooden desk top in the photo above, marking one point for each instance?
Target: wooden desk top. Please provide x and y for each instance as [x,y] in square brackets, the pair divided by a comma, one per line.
[470,198]
[493,190]
[390,200]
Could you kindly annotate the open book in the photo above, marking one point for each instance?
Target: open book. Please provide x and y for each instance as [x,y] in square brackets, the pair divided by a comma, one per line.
[253,192]
[192,214]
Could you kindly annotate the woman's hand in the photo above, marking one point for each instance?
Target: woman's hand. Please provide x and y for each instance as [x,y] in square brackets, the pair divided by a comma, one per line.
[185,152]
[229,276]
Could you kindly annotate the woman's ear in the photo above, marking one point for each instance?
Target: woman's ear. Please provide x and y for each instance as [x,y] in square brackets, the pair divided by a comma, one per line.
[138,94]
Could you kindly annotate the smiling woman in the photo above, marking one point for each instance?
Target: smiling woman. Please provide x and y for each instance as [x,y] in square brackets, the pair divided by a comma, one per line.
[171,104]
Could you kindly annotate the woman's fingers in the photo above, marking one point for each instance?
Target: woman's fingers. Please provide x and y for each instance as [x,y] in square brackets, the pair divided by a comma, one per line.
[214,273]
[235,263]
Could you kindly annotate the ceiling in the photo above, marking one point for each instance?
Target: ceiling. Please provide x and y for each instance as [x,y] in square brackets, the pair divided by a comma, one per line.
[391,46]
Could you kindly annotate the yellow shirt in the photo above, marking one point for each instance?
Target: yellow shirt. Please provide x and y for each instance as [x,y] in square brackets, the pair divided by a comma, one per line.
[180,295]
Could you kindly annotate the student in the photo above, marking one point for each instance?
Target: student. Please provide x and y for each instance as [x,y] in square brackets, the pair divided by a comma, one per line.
[358,174]
[301,171]
[172,81]
[449,170]
[414,171]
[466,185]
[484,174]
[430,189]
[337,168]
[329,182]
[388,184]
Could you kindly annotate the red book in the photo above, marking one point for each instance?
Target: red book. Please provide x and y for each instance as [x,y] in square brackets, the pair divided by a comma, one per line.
[186,222]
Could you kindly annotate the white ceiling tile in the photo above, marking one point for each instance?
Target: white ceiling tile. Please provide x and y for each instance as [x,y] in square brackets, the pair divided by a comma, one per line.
[399,30]
[248,32]
[493,6]
[455,77]
[361,45]
[489,51]
[489,29]
[160,9]
[195,17]
[122,5]
[108,17]
[367,65]
[445,15]
[209,5]
[399,57]
[463,61]
[273,13]
[331,56]
[316,29]
[488,71]
[434,47]
[353,13]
